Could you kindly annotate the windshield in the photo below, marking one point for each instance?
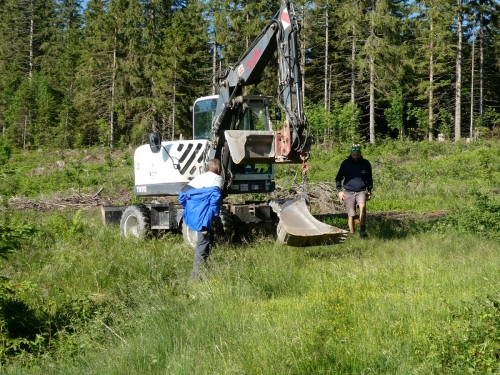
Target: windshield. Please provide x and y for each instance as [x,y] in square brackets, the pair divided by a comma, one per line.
[203,113]
[255,117]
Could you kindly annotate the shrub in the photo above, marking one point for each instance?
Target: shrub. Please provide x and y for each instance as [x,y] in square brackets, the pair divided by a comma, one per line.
[471,343]
[482,216]
[5,152]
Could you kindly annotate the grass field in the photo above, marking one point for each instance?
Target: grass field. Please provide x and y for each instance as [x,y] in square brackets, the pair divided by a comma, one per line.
[420,296]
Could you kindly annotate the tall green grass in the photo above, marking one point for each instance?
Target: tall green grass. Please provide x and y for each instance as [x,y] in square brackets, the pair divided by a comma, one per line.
[420,296]
[366,306]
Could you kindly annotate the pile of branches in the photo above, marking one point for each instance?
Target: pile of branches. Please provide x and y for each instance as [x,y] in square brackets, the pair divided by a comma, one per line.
[322,196]
[76,200]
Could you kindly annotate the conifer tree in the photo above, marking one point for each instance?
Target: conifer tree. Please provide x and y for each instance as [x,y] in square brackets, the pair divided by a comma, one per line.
[59,66]
[380,63]
[185,67]
[96,74]
[26,26]
[432,54]
[483,21]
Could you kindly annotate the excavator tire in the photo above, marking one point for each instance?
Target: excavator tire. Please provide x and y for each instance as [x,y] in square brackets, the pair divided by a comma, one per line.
[190,236]
[136,221]
[222,227]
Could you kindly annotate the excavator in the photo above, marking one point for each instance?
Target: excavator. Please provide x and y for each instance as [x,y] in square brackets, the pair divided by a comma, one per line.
[238,130]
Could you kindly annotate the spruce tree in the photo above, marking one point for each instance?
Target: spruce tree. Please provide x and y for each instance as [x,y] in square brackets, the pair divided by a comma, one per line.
[185,67]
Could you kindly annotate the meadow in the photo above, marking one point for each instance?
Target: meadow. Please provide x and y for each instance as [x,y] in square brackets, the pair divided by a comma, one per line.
[421,295]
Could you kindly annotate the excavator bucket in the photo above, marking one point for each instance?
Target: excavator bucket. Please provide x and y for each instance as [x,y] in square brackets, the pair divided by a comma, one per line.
[297,227]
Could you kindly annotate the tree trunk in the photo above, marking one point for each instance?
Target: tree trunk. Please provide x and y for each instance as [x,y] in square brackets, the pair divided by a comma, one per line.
[481,68]
[372,79]
[329,88]
[173,100]
[353,71]
[431,84]
[27,115]
[372,100]
[32,36]
[326,58]
[214,65]
[458,88]
[113,85]
[471,132]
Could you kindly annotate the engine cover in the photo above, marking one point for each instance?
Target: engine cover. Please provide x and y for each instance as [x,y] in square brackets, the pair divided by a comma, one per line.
[168,171]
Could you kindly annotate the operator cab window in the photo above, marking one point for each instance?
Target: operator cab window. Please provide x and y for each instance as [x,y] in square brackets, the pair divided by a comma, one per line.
[204,111]
[255,118]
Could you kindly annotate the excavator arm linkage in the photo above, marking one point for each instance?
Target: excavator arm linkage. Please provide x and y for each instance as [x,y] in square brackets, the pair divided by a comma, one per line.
[291,144]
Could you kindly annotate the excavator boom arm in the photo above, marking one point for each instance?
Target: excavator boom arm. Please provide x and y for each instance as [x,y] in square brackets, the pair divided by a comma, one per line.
[290,144]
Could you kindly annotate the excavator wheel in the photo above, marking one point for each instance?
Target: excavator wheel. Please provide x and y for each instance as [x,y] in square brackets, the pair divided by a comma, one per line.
[136,221]
[190,236]
[223,226]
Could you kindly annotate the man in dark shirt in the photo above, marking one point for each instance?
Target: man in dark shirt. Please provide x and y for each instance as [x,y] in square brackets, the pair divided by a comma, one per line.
[356,174]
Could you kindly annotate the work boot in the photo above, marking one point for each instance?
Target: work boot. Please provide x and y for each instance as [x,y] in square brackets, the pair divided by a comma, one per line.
[363,234]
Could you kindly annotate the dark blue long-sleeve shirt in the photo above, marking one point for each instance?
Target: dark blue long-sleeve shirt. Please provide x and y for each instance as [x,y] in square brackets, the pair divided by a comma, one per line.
[356,175]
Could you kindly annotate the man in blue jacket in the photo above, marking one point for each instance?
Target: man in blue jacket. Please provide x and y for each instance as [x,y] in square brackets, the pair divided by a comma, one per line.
[202,201]
[356,174]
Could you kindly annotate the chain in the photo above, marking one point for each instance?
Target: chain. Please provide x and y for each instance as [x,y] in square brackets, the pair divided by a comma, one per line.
[305,168]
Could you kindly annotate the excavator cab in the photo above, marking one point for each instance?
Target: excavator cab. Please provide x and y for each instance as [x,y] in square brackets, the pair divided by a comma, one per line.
[254,116]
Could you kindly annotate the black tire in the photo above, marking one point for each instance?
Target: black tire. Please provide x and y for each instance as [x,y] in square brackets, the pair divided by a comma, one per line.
[136,221]
[223,226]
[190,236]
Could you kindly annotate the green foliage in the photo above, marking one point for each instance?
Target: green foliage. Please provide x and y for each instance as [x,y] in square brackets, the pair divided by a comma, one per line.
[82,171]
[139,65]
[103,132]
[321,122]
[470,343]
[348,120]
[481,216]
[73,172]
[31,332]
[491,118]
[395,113]
[263,309]
[5,169]
[11,236]
[445,125]
[5,153]
[77,295]
[13,315]
[418,115]
[339,125]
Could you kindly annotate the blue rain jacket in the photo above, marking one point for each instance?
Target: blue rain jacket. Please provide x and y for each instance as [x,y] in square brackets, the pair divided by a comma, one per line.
[201,206]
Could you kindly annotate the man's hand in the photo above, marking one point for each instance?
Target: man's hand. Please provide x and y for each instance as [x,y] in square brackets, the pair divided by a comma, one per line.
[341,196]
[368,195]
